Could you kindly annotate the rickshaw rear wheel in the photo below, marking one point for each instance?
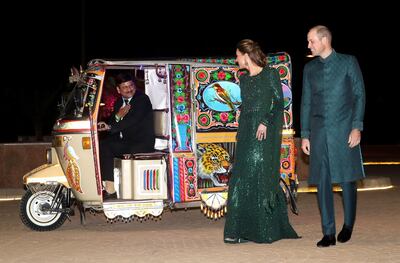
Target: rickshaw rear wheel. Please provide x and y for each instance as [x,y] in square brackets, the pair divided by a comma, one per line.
[34,211]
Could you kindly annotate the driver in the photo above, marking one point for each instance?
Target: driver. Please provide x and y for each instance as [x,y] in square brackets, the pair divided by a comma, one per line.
[130,129]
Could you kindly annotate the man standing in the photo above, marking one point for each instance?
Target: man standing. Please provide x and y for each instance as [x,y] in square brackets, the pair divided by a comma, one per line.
[332,112]
[131,129]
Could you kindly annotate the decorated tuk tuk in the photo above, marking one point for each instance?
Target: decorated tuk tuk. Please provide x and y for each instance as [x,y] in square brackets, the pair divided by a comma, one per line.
[196,107]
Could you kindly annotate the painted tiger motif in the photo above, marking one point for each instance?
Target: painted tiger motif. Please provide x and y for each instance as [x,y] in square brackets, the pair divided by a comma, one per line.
[212,159]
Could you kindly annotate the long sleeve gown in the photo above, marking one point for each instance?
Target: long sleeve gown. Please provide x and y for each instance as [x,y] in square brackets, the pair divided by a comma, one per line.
[257,209]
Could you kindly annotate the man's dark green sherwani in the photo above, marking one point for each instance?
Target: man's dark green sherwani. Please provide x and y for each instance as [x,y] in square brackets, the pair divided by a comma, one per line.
[333,103]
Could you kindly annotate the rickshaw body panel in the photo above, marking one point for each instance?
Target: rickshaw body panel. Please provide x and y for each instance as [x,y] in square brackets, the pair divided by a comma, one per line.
[78,164]
[46,173]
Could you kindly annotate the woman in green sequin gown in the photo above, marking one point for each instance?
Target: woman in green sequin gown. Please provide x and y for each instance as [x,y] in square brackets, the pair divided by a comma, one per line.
[257,209]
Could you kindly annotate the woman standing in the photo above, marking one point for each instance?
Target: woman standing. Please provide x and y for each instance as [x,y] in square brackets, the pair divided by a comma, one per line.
[257,208]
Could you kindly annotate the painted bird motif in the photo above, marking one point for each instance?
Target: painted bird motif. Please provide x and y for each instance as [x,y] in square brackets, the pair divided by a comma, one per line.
[69,152]
[223,96]
[72,171]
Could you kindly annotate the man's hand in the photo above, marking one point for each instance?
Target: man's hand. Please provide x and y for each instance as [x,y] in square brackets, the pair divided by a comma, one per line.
[102,126]
[354,138]
[305,146]
[123,111]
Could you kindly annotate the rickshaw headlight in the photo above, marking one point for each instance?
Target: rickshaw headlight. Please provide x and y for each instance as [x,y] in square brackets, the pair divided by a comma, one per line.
[49,157]
[86,143]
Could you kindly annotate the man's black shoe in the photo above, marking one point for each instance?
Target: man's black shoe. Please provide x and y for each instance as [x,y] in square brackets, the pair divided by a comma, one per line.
[326,241]
[108,196]
[345,234]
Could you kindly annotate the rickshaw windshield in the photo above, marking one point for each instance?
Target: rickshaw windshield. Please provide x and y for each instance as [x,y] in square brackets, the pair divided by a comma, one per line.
[81,100]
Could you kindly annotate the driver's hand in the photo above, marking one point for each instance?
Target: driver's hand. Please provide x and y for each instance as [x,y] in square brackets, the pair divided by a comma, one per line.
[102,126]
[123,111]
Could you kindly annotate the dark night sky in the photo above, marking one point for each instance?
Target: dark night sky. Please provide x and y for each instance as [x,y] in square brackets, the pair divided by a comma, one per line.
[44,40]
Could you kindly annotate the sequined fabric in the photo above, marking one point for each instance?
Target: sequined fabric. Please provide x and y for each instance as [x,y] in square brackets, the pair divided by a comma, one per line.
[257,209]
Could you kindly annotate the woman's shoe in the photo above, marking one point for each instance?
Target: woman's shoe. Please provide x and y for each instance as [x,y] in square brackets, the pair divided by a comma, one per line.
[235,240]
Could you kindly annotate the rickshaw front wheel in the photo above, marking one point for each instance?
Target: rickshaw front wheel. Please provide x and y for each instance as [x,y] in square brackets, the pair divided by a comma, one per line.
[35,211]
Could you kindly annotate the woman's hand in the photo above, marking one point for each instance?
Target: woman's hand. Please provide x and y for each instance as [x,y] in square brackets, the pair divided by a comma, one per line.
[261,132]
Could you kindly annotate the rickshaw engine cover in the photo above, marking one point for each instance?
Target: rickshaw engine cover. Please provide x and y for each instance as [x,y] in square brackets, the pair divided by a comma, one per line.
[142,176]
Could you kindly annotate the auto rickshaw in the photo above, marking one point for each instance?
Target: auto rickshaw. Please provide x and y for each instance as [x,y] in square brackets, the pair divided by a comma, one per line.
[193,153]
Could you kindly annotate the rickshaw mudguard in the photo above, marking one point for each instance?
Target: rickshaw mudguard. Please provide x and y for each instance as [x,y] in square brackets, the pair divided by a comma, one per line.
[46,173]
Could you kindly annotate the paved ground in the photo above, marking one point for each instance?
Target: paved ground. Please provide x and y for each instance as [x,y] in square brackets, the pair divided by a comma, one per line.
[188,236]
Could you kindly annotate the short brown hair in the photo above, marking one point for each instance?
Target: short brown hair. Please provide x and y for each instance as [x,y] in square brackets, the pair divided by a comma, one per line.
[323,31]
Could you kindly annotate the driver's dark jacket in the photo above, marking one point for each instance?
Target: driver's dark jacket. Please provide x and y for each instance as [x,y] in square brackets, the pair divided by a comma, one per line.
[136,128]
